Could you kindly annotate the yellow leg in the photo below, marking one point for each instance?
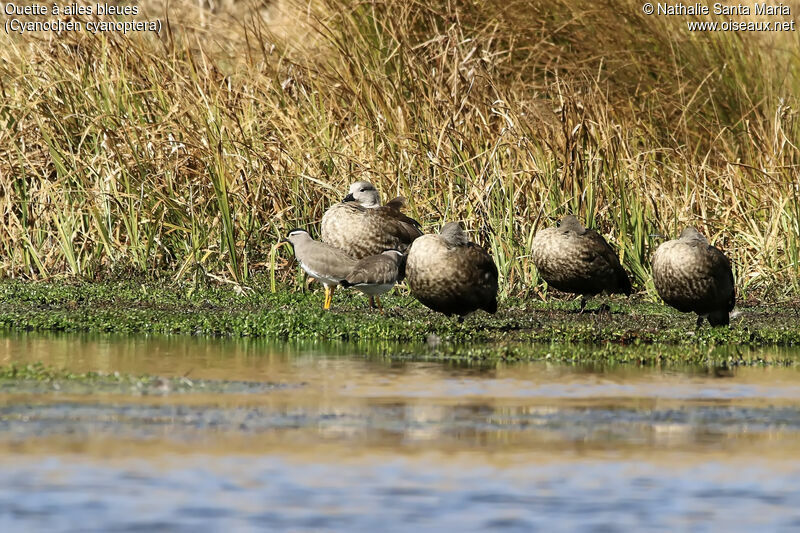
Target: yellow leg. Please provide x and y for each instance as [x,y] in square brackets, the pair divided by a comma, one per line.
[328,296]
[326,304]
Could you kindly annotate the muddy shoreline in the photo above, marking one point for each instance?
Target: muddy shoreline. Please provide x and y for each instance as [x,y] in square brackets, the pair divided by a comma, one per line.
[522,329]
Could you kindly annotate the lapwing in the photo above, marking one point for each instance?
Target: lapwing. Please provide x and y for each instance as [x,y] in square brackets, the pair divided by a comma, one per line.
[362,227]
[325,263]
[450,274]
[574,259]
[695,277]
[376,274]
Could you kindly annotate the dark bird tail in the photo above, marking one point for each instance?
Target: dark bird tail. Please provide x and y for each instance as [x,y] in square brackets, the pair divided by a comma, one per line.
[719,318]
[344,283]
[491,306]
[624,282]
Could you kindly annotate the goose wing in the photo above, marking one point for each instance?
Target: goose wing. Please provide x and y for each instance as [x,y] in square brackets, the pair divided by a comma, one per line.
[604,257]
[722,274]
[395,224]
[484,277]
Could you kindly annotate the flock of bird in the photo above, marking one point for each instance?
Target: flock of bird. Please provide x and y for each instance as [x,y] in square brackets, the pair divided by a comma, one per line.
[371,247]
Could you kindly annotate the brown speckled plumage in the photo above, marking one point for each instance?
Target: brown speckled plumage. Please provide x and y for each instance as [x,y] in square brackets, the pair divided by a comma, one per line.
[449,274]
[362,227]
[693,276]
[571,258]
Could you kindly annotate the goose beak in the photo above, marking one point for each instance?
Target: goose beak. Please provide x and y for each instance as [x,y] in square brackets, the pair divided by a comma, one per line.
[349,198]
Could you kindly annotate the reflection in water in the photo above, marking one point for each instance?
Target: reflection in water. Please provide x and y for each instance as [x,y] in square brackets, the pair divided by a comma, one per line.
[350,440]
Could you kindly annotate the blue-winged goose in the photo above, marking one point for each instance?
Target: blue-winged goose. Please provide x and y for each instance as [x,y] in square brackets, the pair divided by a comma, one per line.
[376,274]
[571,258]
[323,262]
[361,226]
[449,274]
[693,276]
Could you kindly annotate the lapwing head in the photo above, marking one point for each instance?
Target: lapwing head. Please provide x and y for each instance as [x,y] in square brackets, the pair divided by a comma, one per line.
[400,258]
[296,235]
[364,193]
[397,255]
[691,234]
[452,234]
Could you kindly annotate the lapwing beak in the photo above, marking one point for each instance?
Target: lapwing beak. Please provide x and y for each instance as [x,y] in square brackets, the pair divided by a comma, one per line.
[349,198]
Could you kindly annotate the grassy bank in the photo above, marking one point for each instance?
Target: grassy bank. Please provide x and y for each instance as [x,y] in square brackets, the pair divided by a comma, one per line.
[132,307]
[187,154]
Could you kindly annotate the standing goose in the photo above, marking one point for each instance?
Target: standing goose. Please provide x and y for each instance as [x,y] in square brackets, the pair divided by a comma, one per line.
[693,276]
[361,226]
[321,261]
[574,259]
[451,275]
[376,274]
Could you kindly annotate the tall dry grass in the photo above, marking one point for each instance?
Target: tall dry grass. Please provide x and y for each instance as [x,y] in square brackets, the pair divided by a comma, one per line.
[188,154]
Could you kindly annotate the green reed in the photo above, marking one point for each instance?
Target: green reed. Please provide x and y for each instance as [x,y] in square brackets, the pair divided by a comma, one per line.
[193,153]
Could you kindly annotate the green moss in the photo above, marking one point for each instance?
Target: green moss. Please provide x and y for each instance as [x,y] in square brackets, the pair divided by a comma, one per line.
[609,355]
[132,308]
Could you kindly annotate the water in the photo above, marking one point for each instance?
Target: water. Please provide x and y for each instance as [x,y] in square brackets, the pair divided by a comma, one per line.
[333,439]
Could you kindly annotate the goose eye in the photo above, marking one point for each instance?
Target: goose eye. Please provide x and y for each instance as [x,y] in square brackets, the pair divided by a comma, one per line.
[362,190]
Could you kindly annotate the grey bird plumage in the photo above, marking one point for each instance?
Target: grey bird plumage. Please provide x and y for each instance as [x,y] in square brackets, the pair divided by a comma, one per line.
[362,227]
[327,264]
[572,258]
[376,274]
[693,276]
[450,274]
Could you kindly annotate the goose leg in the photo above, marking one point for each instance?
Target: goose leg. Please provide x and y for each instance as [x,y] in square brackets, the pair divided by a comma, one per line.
[371,302]
[583,305]
[378,303]
[699,321]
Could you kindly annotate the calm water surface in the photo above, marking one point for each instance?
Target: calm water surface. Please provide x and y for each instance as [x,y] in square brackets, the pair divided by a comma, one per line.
[341,439]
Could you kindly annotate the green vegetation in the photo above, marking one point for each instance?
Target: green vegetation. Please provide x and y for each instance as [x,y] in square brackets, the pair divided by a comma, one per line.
[132,307]
[40,372]
[187,155]
[609,355]
[40,377]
